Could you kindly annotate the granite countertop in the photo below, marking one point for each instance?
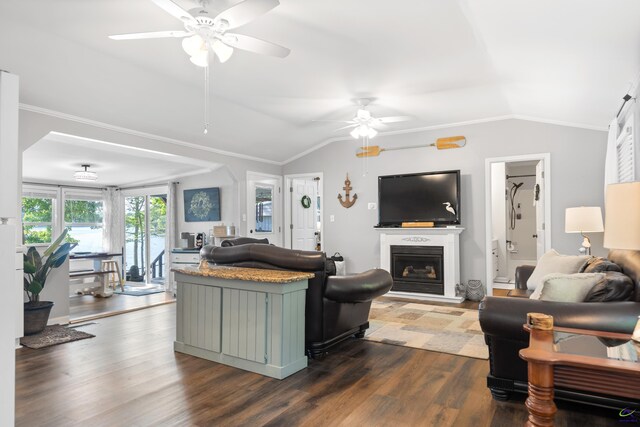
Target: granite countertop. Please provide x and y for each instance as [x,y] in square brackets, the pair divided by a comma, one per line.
[247,274]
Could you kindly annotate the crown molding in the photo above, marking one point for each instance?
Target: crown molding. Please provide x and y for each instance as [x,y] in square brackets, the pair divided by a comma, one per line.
[64,116]
[102,125]
[450,125]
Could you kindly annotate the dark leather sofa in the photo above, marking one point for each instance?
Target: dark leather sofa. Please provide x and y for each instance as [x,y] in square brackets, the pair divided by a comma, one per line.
[243,241]
[337,307]
[502,319]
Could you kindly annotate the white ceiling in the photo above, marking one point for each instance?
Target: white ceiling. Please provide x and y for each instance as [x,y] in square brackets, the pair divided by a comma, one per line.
[56,157]
[439,61]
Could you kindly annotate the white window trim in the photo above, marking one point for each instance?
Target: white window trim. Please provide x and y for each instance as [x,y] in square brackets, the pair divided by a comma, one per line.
[35,191]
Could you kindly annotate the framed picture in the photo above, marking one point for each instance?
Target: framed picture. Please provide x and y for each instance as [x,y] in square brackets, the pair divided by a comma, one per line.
[202,204]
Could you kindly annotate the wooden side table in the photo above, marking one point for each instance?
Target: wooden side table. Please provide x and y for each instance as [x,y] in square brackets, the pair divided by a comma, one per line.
[599,362]
[519,293]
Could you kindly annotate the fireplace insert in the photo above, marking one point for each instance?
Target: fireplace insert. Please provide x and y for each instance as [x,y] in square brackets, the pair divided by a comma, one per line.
[418,269]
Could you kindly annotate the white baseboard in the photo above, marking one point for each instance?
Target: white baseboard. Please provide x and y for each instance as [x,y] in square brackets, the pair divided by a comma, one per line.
[424,297]
[503,285]
[62,320]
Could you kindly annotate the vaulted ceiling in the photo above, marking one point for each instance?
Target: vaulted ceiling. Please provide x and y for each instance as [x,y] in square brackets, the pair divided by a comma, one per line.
[438,61]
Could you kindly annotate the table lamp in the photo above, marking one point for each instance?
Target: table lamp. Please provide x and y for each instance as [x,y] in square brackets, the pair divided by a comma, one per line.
[622,216]
[584,219]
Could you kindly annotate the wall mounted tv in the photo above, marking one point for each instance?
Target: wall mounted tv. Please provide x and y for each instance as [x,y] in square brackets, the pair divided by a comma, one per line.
[419,197]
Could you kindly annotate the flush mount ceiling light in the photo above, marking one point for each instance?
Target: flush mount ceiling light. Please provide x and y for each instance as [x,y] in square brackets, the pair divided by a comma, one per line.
[85,175]
[204,33]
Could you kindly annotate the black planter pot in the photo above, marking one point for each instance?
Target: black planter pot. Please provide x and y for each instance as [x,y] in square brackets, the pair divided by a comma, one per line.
[36,316]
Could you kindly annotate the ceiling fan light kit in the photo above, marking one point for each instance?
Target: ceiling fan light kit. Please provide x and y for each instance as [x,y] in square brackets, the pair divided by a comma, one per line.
[203,33]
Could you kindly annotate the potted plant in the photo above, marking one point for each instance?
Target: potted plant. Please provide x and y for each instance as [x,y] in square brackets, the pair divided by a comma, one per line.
[36,271]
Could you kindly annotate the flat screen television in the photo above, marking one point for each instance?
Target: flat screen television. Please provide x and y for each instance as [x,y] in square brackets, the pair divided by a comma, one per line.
[419,197]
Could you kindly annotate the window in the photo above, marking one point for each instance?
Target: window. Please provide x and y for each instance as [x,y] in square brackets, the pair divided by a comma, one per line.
[264,201]
[37,217]
[626,152]
[83,219]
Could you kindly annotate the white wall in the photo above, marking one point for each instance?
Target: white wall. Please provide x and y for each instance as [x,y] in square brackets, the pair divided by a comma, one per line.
[498,221]
[525,227]
[56,289]
[573,150]
[229,200]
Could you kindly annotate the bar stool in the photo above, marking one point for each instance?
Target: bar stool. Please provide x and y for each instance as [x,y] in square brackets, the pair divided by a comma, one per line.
[114,278]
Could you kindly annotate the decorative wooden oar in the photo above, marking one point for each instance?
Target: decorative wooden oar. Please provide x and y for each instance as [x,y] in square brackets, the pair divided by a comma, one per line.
[440,144]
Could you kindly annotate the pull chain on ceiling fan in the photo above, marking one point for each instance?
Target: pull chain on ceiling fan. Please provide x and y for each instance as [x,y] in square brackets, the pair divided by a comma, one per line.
[204,33]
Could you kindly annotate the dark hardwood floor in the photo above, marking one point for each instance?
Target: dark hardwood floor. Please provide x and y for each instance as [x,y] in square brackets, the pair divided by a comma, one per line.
[129,375]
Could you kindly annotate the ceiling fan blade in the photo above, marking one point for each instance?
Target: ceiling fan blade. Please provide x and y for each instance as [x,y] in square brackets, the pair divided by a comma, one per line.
[336,121]
[151,35]
[346,127]
[173,9]
[379,125]
[255,45]
[394,119]
[245,11]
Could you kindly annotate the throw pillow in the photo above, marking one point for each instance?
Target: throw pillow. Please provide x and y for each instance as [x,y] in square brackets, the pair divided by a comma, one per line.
[568,287]
[600,265]
[614,287]
[553,262]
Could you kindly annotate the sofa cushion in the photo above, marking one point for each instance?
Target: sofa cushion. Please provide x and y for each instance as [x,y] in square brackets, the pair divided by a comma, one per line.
[567,287]
[553,262]
[600,265]
[615,286]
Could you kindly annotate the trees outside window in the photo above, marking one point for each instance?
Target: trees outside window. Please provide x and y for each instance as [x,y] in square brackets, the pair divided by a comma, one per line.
[37,219]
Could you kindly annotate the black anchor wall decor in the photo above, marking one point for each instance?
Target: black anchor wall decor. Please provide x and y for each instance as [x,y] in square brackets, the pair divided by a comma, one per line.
[348,201]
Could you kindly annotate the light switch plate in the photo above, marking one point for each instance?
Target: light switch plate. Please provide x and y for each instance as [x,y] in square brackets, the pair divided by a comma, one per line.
[244,217]
[332,218]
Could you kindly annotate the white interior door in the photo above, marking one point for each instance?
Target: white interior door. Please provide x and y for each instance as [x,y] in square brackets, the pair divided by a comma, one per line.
[303,220]
[264,208]
[539,197]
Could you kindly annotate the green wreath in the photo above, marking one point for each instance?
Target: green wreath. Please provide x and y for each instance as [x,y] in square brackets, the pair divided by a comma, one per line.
[306,202]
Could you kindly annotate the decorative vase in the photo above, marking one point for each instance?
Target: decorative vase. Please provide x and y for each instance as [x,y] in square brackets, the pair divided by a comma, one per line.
[475,290]
[461,290]
[36,316]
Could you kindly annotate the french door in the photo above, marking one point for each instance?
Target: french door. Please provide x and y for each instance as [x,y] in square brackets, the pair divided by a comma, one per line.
[145,226]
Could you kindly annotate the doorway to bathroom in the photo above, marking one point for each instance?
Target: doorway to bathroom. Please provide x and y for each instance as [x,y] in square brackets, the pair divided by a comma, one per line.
[518,215]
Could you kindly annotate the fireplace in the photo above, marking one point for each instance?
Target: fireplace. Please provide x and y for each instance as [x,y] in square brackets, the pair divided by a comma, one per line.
[417,269]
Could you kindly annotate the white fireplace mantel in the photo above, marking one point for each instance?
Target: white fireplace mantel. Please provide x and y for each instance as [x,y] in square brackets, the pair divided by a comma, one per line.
[447,237]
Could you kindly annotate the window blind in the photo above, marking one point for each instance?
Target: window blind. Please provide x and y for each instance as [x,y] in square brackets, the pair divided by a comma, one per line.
[626,152]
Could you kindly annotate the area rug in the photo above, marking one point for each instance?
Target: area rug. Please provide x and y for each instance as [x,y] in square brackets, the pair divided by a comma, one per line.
[54,335]
[138,291]
[428,327]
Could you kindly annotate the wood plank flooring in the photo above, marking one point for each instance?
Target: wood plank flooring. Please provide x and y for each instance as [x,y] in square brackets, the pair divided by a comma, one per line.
[129,375]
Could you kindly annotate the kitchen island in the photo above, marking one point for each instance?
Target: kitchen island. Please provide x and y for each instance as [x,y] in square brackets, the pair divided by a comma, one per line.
[249,318]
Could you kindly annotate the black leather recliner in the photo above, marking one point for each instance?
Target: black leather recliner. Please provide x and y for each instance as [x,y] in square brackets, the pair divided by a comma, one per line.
[337,307]
[502,321]
[243,241]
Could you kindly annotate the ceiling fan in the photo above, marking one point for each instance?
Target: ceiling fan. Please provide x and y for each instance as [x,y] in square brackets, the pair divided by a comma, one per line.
[203,31]
[364,124]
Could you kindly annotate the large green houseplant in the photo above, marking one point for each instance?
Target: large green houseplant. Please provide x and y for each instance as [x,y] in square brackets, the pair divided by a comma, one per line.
[36,270]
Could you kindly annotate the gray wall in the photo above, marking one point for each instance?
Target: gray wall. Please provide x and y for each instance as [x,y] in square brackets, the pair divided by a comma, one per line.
[229,200]
[577,173]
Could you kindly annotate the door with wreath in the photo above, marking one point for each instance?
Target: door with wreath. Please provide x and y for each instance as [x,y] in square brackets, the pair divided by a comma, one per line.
[303,214]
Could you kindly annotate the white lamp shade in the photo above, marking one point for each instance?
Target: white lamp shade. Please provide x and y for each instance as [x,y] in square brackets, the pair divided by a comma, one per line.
[364,130]
[622,216]
[585,219]
[193,45]
[222,51]
[201,59]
